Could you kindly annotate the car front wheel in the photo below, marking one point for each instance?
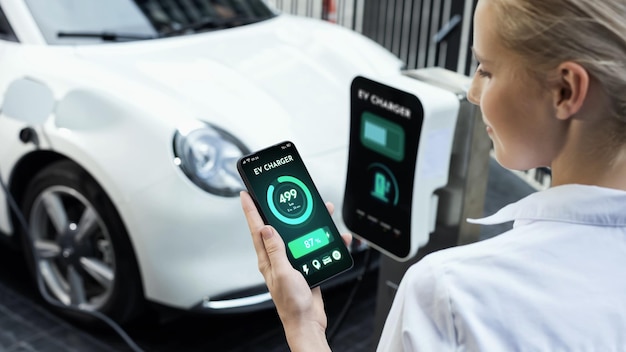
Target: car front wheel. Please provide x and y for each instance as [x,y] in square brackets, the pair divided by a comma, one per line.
[79,245]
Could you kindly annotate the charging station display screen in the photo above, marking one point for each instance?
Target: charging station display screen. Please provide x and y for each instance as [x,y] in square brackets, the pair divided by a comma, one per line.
[384,138]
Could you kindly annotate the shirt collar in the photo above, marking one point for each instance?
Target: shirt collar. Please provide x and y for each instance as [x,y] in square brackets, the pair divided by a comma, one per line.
[581,204]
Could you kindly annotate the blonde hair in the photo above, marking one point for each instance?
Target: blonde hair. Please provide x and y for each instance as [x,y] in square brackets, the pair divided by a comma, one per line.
[592,33]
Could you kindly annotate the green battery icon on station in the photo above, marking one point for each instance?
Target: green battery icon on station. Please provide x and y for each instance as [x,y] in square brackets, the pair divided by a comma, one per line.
[382,136]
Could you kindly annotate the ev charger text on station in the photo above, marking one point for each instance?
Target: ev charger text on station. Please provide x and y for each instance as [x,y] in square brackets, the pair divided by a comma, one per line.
[385,104]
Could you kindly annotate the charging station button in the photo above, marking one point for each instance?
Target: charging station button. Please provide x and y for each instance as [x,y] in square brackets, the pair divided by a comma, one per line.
[310,242]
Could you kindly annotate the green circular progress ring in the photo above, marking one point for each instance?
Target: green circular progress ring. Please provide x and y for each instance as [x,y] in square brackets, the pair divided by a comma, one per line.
[309,198]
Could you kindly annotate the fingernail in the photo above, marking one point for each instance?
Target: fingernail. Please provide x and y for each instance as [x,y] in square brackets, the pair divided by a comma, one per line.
[266,233]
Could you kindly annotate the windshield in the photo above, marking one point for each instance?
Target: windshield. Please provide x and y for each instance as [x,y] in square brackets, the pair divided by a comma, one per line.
[92,21]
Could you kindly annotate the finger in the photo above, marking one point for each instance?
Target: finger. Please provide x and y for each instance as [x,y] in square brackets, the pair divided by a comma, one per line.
[275,249]
[255,224]
[347,238]
[331,207]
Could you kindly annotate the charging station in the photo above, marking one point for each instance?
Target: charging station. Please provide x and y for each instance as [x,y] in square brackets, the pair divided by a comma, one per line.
[401,133]
[417,168]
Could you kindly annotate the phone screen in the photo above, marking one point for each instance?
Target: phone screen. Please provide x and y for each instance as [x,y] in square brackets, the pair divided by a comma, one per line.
[287,199]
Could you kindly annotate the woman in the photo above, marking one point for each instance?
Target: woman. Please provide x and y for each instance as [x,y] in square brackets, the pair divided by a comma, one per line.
[551,85]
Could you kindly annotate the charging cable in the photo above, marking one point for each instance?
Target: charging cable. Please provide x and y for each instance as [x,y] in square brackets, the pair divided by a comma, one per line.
[42,288]
[349,302]
[113,324]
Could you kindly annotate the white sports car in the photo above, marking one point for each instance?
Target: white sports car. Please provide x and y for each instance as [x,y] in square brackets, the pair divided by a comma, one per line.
[120,125]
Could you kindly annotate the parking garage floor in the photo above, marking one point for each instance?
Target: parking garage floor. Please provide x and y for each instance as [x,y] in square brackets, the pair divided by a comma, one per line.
[27,326]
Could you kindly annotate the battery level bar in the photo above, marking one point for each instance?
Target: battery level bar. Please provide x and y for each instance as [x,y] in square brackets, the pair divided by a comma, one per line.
[310,242]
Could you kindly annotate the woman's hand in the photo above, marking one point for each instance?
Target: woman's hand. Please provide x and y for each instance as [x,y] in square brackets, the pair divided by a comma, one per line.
[301,309]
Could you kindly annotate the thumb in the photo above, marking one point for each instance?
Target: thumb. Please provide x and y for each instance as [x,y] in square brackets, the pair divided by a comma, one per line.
[275,248]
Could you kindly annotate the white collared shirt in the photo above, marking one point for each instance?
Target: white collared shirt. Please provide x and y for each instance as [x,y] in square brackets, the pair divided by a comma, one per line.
[555,282]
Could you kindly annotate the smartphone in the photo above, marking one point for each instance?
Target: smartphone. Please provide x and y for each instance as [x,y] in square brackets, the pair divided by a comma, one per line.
[287,199]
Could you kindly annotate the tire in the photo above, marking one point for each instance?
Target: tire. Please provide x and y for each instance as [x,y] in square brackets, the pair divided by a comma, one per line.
[82,249]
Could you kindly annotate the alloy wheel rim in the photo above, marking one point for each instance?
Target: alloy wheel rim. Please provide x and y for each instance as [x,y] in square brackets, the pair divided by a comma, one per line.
[73,248]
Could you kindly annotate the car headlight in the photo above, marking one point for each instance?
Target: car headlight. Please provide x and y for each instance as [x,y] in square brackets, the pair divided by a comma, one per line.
[208,156]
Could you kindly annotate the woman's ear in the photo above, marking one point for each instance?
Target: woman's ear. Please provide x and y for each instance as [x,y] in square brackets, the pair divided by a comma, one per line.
[570,90]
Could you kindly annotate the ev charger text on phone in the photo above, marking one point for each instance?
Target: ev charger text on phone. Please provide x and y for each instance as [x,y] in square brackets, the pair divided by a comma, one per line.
[274,164]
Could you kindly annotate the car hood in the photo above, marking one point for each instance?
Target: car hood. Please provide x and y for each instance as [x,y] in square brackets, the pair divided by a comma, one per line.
[284,78]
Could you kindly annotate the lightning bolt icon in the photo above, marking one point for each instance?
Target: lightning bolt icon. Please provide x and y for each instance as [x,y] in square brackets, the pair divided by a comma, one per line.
[305,268]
